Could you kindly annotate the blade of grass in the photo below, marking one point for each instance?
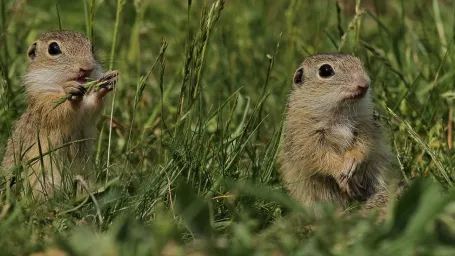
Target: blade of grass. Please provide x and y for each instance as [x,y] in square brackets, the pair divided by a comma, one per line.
[58,15]
[120,4]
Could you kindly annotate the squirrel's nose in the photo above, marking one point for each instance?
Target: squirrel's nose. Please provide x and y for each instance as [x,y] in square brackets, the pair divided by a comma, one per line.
[86,70]
[363,85]
[363,82]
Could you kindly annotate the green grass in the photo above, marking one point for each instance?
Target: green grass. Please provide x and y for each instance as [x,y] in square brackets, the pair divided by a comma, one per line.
[189,162]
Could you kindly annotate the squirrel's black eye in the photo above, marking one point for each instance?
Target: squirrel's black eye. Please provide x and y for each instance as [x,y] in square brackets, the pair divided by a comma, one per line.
[326,71]
[54,49]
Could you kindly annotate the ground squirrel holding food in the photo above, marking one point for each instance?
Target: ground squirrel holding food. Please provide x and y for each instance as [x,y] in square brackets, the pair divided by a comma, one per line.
[333,148]
[60,65]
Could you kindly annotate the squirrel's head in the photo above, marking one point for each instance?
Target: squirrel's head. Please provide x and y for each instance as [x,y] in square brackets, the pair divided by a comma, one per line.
[58,57]
[331,81]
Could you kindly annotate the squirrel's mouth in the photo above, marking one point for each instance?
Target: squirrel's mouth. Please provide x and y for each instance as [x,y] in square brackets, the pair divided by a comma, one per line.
[82,78]
[358,94]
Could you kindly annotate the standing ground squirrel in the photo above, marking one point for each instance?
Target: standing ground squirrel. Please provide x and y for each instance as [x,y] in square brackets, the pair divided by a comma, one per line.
[60,64]
[333,149]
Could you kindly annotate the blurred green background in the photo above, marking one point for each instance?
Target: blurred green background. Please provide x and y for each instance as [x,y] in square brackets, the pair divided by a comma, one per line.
[190,163]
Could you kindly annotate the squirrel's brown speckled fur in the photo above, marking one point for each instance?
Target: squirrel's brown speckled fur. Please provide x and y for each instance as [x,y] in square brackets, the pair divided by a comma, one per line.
[333,149]
[49,78]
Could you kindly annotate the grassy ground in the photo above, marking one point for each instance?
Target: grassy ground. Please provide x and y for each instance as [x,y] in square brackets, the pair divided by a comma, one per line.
[189,162]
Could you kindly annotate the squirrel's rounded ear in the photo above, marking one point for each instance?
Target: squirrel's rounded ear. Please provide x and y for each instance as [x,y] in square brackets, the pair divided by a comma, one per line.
[298,77]
[31,52]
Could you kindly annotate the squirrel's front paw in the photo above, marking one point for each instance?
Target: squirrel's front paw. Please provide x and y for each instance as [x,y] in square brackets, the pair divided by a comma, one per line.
[351,162]
[107,83]
[75,89]
[109,80]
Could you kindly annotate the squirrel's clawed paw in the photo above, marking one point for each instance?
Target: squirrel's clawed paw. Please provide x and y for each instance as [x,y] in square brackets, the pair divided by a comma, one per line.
[352,161]
[109,80]
[75,89]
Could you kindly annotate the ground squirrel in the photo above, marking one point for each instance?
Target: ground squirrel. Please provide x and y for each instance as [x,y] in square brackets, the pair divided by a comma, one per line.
[333,148]
[60,64]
